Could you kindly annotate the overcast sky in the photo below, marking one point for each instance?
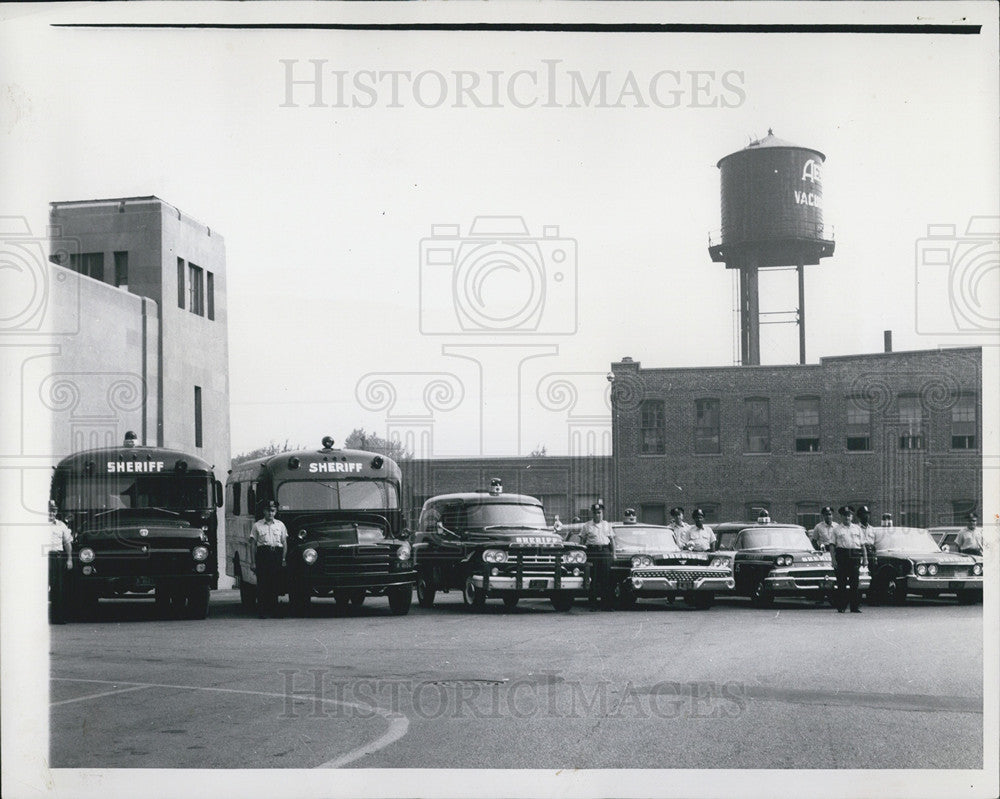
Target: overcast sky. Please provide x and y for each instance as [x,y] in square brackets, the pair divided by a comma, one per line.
[324,208]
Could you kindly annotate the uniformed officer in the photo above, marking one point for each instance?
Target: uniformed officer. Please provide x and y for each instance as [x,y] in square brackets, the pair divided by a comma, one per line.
[598,536]
[868,536]
[271,540]
[696,537]
[630,517]
[970,540]
[849,557]
[822,534]
[676,522]
[60,556]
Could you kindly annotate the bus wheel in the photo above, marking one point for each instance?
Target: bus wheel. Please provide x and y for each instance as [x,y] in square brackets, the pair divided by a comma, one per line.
[473,597]
[399,599]
[164,599]
[760,596]
[425,593]
[197,601]
[357,599]
[510,601]
[248,593]
[561,601]
[299,600]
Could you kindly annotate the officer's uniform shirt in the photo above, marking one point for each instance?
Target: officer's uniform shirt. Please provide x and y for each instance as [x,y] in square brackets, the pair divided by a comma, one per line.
[970,539]
[868,534]
[60,538]
[822,534]
[701,540]
[269,534]
[882,534]
[677,528]
[596,534]
[848,536]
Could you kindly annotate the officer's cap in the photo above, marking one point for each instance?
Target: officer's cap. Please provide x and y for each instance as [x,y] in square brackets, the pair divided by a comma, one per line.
[863,509]
[676,511]
[698,512]
[271,504]
[827,509]
[630,511]
[597,506]
[845,510]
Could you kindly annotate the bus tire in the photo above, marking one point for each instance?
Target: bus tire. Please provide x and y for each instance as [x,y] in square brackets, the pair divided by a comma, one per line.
[248,593]
[561,601]
[299,600]
[198,597]
[357,599]
[510,601]
[400,598]
[473,597]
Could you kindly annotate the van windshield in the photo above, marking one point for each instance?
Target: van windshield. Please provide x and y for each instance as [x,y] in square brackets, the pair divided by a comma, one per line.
[337,495]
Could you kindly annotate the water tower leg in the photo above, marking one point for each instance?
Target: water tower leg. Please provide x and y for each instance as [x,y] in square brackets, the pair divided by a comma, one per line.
[749,315]
[802,311]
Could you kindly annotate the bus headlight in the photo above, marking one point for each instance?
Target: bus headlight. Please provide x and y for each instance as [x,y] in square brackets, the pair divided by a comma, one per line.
[309,555]
[199,553]
[495,556]
[86,555]
[404,551]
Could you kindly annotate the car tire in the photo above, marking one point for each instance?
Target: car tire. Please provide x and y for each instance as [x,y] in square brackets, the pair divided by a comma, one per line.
[760,596]
[701,600]
[400,598]
[562,602]
[473,597]
[510,601]
[425,592]
[895,593]
[197,597]
[625,597]
[970,597]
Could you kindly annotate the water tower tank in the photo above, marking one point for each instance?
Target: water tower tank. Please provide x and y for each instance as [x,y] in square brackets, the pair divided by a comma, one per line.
[772,206]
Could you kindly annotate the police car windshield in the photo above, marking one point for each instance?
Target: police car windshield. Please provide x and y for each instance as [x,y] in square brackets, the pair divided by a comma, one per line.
[653,539]
[905,539]
[506,514]
[116,492]
[337,495]
[781,538]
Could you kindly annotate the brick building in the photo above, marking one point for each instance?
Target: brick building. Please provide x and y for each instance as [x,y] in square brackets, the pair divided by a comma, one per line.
[898,431]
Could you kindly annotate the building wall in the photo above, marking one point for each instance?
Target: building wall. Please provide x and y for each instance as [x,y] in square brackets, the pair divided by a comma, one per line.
[926,485]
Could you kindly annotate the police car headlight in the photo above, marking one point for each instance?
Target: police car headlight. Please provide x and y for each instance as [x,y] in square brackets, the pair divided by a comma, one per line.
[977,569]
[199,553]
[86,555]
[495,556]
[922,568]
[403,553]
[301,534]
[721,563]
[641,562]
[785,560]
[575,556]
[932,569]
[309,555]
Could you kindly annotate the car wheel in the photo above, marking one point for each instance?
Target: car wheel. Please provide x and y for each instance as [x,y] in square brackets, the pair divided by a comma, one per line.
[624,595]
[969,597]
[700,600]
[198,598]
[400,598]
[895,592]
[760,596]
[562,602]
[425,593]
[510,601]
[473,597]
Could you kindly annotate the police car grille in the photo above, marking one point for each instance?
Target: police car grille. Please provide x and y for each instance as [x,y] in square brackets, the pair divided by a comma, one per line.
[797,573]
[679,574]
[955,570]
[536,564]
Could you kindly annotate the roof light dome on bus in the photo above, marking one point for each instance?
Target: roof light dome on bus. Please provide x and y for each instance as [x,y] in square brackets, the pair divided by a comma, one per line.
[328,442]
[293,462]
[181,466]
[130,438]
[377,462]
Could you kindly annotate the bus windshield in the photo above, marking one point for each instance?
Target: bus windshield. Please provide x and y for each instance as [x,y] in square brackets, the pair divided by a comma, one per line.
[337,495]
[115,492]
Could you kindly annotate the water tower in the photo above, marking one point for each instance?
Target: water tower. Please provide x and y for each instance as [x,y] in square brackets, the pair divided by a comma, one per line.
[772,216]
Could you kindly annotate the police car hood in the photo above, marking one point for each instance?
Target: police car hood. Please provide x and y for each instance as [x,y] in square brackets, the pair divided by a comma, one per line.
[940,558]
[139,523]
[800,555]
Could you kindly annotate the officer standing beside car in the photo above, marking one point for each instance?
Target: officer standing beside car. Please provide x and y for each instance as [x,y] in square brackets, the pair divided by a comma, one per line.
[677,524]
[849,556]
[270,538]
[868,536]
[822,534]
[970,540]
[598,537]
[60,556]
[696,537]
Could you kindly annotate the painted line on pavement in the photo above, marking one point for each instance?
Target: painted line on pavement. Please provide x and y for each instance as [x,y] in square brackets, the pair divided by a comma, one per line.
[398,723]
[98,696]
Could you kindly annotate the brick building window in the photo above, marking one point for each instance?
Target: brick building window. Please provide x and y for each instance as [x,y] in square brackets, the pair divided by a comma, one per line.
[90,264]
[963,422]
[706,426]
[121,269]
[757,412]
[653,513]
[960,508]
[807,424]
[653,423]
[210,294]
[913,514]
[911,421]
[807,514]
[196,290]
[859,425]
[180,283]
[197,417]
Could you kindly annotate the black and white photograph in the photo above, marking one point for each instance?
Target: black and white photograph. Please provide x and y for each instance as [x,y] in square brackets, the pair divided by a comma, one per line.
[502,399]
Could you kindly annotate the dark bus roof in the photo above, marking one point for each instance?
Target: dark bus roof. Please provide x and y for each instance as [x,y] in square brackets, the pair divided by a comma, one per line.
[77,462]
[279,465]
[485,498]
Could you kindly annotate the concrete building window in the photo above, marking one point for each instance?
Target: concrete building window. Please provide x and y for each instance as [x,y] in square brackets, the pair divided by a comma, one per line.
[180,283]
[753,509]
[758,424]
[706,426]
[210,294]
[807,424]
[963,422]
[196,290]
[121,269]
[859,425]
[90,264]
[653,513]
[807,514]
[960,508]
[197,417]
[654,428]
[911,422]
[913,514]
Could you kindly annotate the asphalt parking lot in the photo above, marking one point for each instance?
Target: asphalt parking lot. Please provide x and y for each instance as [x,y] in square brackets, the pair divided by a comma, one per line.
[660,686]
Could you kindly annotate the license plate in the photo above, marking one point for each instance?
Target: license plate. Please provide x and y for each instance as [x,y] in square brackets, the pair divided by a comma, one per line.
[685,585]
[144,582]
[538,583]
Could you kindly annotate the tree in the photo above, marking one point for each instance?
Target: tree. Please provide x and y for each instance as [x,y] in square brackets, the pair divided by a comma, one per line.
[359,438]
[263,452]
[538,452]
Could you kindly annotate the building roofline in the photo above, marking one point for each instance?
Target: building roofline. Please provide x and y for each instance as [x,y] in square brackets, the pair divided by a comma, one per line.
[507,458]
[147,199]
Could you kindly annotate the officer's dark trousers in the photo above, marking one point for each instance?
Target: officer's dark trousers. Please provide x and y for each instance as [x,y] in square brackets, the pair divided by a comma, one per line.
[872,558]
[848,569]
[268,572]
[600,575]
[57,587]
